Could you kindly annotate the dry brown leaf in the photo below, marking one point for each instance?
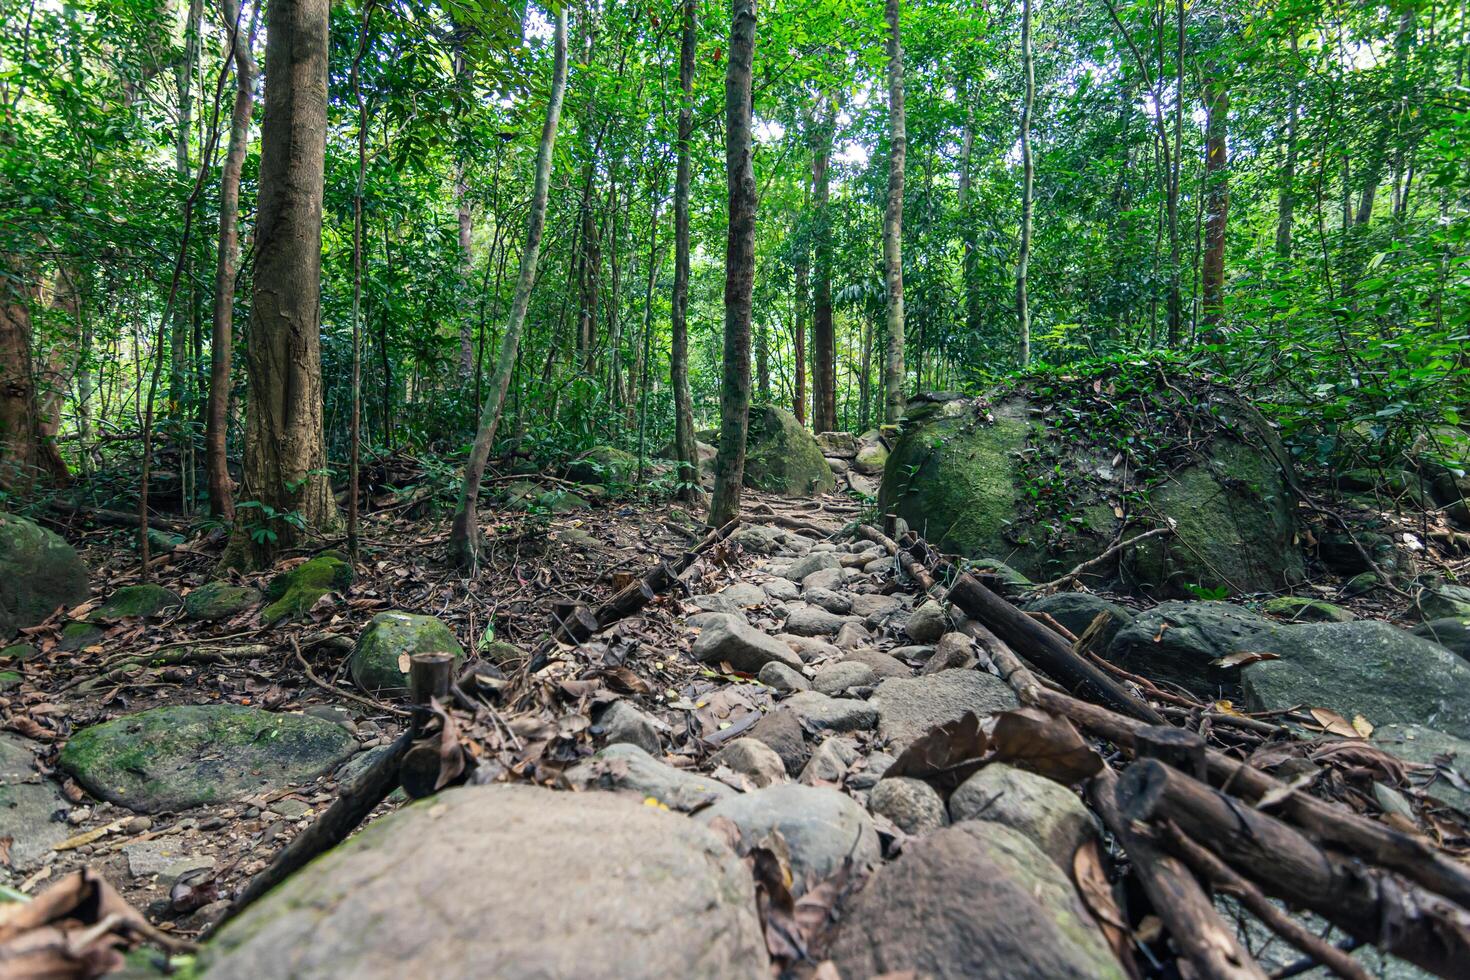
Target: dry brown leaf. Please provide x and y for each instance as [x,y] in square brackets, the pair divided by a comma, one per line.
[1097,894]
[946,755]
[1046,744]
[1362,726]
[1333,723]
[1226,708]
[1243,657]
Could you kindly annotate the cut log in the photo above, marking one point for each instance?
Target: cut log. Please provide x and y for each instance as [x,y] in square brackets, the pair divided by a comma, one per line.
[1184,750]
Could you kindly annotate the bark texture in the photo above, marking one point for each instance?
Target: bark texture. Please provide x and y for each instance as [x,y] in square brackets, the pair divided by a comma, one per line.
[1028,175]
[824,340]
[1217,203]
[893,222]
[684,447]
[18,444]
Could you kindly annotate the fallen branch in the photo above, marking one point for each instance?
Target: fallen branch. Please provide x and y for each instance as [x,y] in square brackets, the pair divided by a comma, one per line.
[1076,573]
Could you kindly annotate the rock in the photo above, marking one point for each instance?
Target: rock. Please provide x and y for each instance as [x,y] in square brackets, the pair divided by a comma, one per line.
[810,648]
[1443,601]
[918,653]
[704,455]
[782,456]
[753,759]
[875,608]
[958,478]
[703,620]
[871,459]
[783,678]
[814,561]
[585,886]
[603,465]
[78,636]
[822,828]
[1451,632]
[1360,584]
[9,680]
[837,465]
[1047,813]
[993,906]
[829,762]
[744,594]
[814,621]
[1175,641]
[1000,577]
[380,660]
[882,664]
[834,678]
[500,653]
[166,857]
[927,623]
[1428,747]
[176,757]
[852,636]
[838,603]
[627,768]
[620,722]
[912,804]
[824,580]
[843,445]
[910,706]
[1369,668]
[1300,609]
[1341,554]
[819,713]
[717,604]
[1077,610]
[782,731]
[17,653]
[953,651]
[39,572]
[145,601]
[32,809]
[743,647]
[293,593]
[219,600]
[781,589]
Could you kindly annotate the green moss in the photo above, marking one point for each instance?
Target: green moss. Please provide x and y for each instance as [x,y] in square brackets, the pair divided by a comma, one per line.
[293,593]
[219,600]
[76,636]
[19,652]
[783,457]
[500,653]
[377,663]
[39,572]
[136,600]
[1300,609]
[9,680]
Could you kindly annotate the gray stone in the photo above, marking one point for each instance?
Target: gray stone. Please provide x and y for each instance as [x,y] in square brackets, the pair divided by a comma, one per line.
[852,636]
[380,660]
[838,465]
[782,731]
[32,809]
[1300,609]
[753,759]
[1442,601]
[166,857]
[620,722]
[839,603]
[1050,815]
[176,757]
[912,804]
[882,664]
[215,601]
[1275,954]
[813,561]
[814,621]
[927,623]
[829,761]
[743,647]
[953,651]
[783,678]
[145,601]
[39,572]
[910,706]
[744,594]
[871,770]
[973,900]
[628,769]
[916,653]
[585,886]
[716,603]
[782,589]
[1077,610]
[1450,632]
[820,713]
[875,608]
[834,678]
[1176,641]
[1427,747]
[822,828]
[810,648]
[879,566]
[826,579]
[704,620]
[1369,668]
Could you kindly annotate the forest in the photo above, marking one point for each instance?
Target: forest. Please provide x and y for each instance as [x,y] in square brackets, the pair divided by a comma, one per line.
[982,488]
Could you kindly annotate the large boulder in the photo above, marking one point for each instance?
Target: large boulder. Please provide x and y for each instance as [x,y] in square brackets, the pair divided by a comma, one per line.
[626,768]
[1450,632]
[145,601]
[39,572]
[731,640]
[515,882]
[1040,473]
[219,600]
[293,593]
[975,899]
[909,707]
[1386,674]
[32,809]
[1047,813]
[783,457]
[380,660]
[1179,642]
[182,756]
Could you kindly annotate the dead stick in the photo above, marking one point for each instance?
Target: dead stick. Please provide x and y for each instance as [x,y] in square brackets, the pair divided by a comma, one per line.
[1100,559]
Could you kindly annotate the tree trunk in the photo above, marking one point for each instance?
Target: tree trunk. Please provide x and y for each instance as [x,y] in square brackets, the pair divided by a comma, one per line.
[1217,204]
[824,340]
[464,534]
[1286,196]
[1176,311]
[285,454]
[221,345]
[893,222]
[970,259]
[803,298]
[1028,173]
[739,266]
[684,448]
[179,368]
[18,446]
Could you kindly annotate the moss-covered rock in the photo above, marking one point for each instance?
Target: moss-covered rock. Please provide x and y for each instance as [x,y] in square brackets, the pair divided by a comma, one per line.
[782,456]
[78,636]
[293,593]
[17,653]
[500,653]
[379,662]
[871,459]
[39,572]
[1040,472]
[1300,609]
[182,756]
[9,680]
[603,464]
[219,600]
[136,600]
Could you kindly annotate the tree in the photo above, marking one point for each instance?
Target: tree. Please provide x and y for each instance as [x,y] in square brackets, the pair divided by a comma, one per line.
[739,266]
[1217,203]
[285,494]
[1028,174]
[893,219]
[222,341]
[464,533]
[19,454]
[824,339]
[685,450]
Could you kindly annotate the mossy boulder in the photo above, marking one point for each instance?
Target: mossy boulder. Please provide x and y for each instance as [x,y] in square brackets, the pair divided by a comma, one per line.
[871,459]
[603,464]
[219,600]
[187,755]
[1300,609]
[1450,632]
[782,456]
[379,662]
[78,636]
[39,572]
[145,601]
[293,593]
[1045,472]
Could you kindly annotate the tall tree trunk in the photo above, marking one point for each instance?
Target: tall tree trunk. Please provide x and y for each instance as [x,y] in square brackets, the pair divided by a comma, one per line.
[1217,202]
[824,340]
[739,267]
[354,420]
[762,362]
[970,258]
[285,453]
[464,533]
[19,451]
[799,332]
[893,222]
[58,365]
[684,447]
[180,371]
[1176,310]
[464,74]
[1028,173]
[591,269]
[1286,195]
[222,341]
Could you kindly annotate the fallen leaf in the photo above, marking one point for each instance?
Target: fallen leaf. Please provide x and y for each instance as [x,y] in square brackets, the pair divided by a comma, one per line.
[1046,744]
[1227,708]
[1362,726]
[1243,657]
[946,755]
[1097,894]
[1333,723]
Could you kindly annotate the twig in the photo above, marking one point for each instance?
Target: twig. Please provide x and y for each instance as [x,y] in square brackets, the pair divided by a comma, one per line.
[1100,559]
[311,676]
